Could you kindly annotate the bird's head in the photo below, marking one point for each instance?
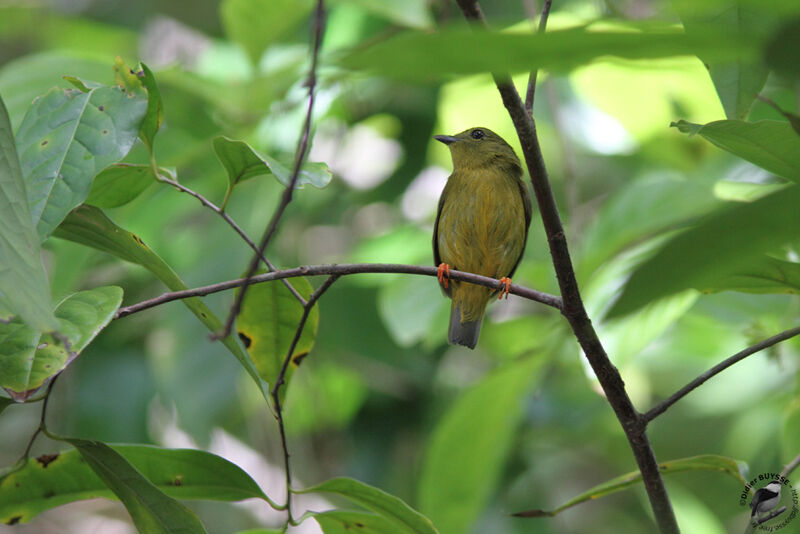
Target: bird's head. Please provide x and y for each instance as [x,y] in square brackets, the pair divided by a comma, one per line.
[479,147]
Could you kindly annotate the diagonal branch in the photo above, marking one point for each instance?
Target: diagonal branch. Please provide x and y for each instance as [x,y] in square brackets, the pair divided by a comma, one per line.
[340,270]
[531,92]
[279,381]
[574,310]
[238,229]
[300,155]
[739,356]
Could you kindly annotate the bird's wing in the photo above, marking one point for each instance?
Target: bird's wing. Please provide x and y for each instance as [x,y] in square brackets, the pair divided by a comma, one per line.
[526,204]
[437,258]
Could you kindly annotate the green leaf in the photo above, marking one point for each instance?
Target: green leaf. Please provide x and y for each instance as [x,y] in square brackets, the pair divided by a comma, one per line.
[722,244]
[66,138]
[242,162]
[782,51]
[5,402]
[737,81]
[411,13]
[28,358]
[470,445]
[256,24]
[420,56]
[89,226]
[387,506]
[267,324]
[119,184]
[765,275]
[57,479]
[151,509]
[23,283]
[706,462]
[347,522]
[772,145]
[154,115]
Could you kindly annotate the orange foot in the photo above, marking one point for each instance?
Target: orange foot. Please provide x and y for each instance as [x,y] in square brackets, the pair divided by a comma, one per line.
[506,287]
[443,275]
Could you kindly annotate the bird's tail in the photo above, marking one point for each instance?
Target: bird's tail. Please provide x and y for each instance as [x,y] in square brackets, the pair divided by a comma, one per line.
[466,314]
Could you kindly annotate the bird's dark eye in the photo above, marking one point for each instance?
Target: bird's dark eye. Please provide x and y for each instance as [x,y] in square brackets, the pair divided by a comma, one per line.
[477,134]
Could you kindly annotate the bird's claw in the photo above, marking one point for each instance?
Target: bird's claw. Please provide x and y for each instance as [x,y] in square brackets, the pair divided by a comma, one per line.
[443,274]
[506,287]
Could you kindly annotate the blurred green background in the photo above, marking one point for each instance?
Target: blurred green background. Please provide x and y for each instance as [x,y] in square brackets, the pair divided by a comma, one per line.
[382,397]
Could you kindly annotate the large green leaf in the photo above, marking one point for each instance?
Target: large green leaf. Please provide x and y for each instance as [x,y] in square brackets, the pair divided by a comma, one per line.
[28,358]
[706,462]
[765,275]
[347,522]
[89,226]
[782,51]
[57,479]
[739,80]
[267,324]
[470,445]
[23,283]
[241,162]
[387,506]
[255,24]
[151,509]
[772,145]
[66,138]
[119,184]
[724,243]
[154,115]
[419,56]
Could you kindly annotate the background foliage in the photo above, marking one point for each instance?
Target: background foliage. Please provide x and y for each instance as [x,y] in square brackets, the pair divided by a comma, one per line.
[466,438]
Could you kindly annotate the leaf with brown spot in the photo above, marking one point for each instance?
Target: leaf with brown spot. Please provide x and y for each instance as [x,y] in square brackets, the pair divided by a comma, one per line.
[46,459]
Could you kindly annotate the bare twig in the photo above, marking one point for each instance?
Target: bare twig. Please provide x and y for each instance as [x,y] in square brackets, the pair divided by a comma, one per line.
[531,92]
[42,418]
[227,218]
[300,154]
[739,356]
[574,310]
[275,391]
[791,466]
[340,270]
[772,515]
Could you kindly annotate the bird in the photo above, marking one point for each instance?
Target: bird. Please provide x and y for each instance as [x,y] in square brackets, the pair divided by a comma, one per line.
[766,498]
[481,225]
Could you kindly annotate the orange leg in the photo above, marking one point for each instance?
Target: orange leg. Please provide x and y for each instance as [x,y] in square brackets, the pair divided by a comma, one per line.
[443,275]
[506,286]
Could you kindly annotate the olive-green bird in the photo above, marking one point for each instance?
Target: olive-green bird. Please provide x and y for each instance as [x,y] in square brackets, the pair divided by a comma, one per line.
[481,226]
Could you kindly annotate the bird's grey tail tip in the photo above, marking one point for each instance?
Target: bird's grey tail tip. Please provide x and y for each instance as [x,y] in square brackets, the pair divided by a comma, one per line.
[465,334]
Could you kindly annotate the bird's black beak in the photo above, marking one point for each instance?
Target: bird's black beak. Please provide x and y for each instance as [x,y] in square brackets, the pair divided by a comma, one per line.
[446,139]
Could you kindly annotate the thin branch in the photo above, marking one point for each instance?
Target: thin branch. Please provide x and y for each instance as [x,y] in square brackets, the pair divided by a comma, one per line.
[574,310]
[340,270]
[213,207]
[772,515]
[300,155]
[739,356]
[275,392]
[42,417]
[791,466]
[531,92]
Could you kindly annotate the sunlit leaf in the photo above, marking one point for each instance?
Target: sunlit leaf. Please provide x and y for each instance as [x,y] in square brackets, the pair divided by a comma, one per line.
[720,245]
[56,479]
[772,145]
[242,162]
[28,358]
[267,325]
[23,283]
[66,139]
[418,56]
[346,522]
[737,81]
[706,462]
[387,506]
[89,226]
[255,24]
[470,445]
[151,509]
[411,13]
[119,184]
